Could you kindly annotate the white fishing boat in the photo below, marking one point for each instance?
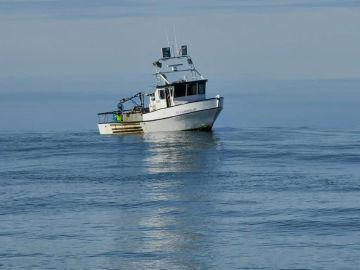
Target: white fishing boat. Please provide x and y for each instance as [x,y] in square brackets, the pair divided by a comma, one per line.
[178,102]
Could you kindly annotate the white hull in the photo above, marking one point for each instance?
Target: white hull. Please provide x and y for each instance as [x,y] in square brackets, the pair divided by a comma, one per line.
[189,116]
[191,121]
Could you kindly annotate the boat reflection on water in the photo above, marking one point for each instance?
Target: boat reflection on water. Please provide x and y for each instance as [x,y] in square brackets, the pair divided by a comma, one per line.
[184,151]
[173,230]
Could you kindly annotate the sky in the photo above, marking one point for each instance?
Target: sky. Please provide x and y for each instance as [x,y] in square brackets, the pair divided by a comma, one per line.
[276,62]
[52,45]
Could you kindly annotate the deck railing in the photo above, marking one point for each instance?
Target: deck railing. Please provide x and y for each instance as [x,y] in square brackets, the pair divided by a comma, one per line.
[110,117]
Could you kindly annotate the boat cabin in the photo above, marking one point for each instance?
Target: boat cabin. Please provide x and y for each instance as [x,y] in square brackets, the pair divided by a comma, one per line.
[176,94]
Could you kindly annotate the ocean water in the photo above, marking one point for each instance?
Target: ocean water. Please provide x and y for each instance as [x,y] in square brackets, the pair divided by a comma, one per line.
[234,198]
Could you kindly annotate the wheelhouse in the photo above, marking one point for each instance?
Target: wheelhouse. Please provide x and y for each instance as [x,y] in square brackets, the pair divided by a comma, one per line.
[177,93]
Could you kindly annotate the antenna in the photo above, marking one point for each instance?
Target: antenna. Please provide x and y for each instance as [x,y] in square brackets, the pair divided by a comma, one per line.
[167,37]
[176,46]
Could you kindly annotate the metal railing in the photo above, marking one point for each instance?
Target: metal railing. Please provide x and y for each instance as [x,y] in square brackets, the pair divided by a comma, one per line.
[110,117]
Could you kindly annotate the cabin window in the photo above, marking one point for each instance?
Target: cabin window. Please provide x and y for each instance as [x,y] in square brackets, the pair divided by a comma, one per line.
[201,88]
[161,94]
[191,89]
[180,90]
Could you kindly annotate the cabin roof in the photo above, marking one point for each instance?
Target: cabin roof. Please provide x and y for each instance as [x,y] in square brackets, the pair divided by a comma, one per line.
[176,69]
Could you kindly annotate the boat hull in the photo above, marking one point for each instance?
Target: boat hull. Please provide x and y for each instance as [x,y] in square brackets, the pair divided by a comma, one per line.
[199,115]
[197,120]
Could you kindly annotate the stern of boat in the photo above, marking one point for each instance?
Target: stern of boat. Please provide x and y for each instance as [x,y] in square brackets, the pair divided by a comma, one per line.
[115,123]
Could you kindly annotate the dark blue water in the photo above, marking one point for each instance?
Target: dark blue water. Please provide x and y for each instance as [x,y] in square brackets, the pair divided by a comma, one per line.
[236,198]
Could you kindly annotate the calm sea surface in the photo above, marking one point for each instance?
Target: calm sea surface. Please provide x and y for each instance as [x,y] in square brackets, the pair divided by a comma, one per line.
[234,198]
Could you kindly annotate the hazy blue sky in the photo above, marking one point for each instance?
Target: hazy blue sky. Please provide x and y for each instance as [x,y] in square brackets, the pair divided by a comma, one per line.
[63,61]
[71,42]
